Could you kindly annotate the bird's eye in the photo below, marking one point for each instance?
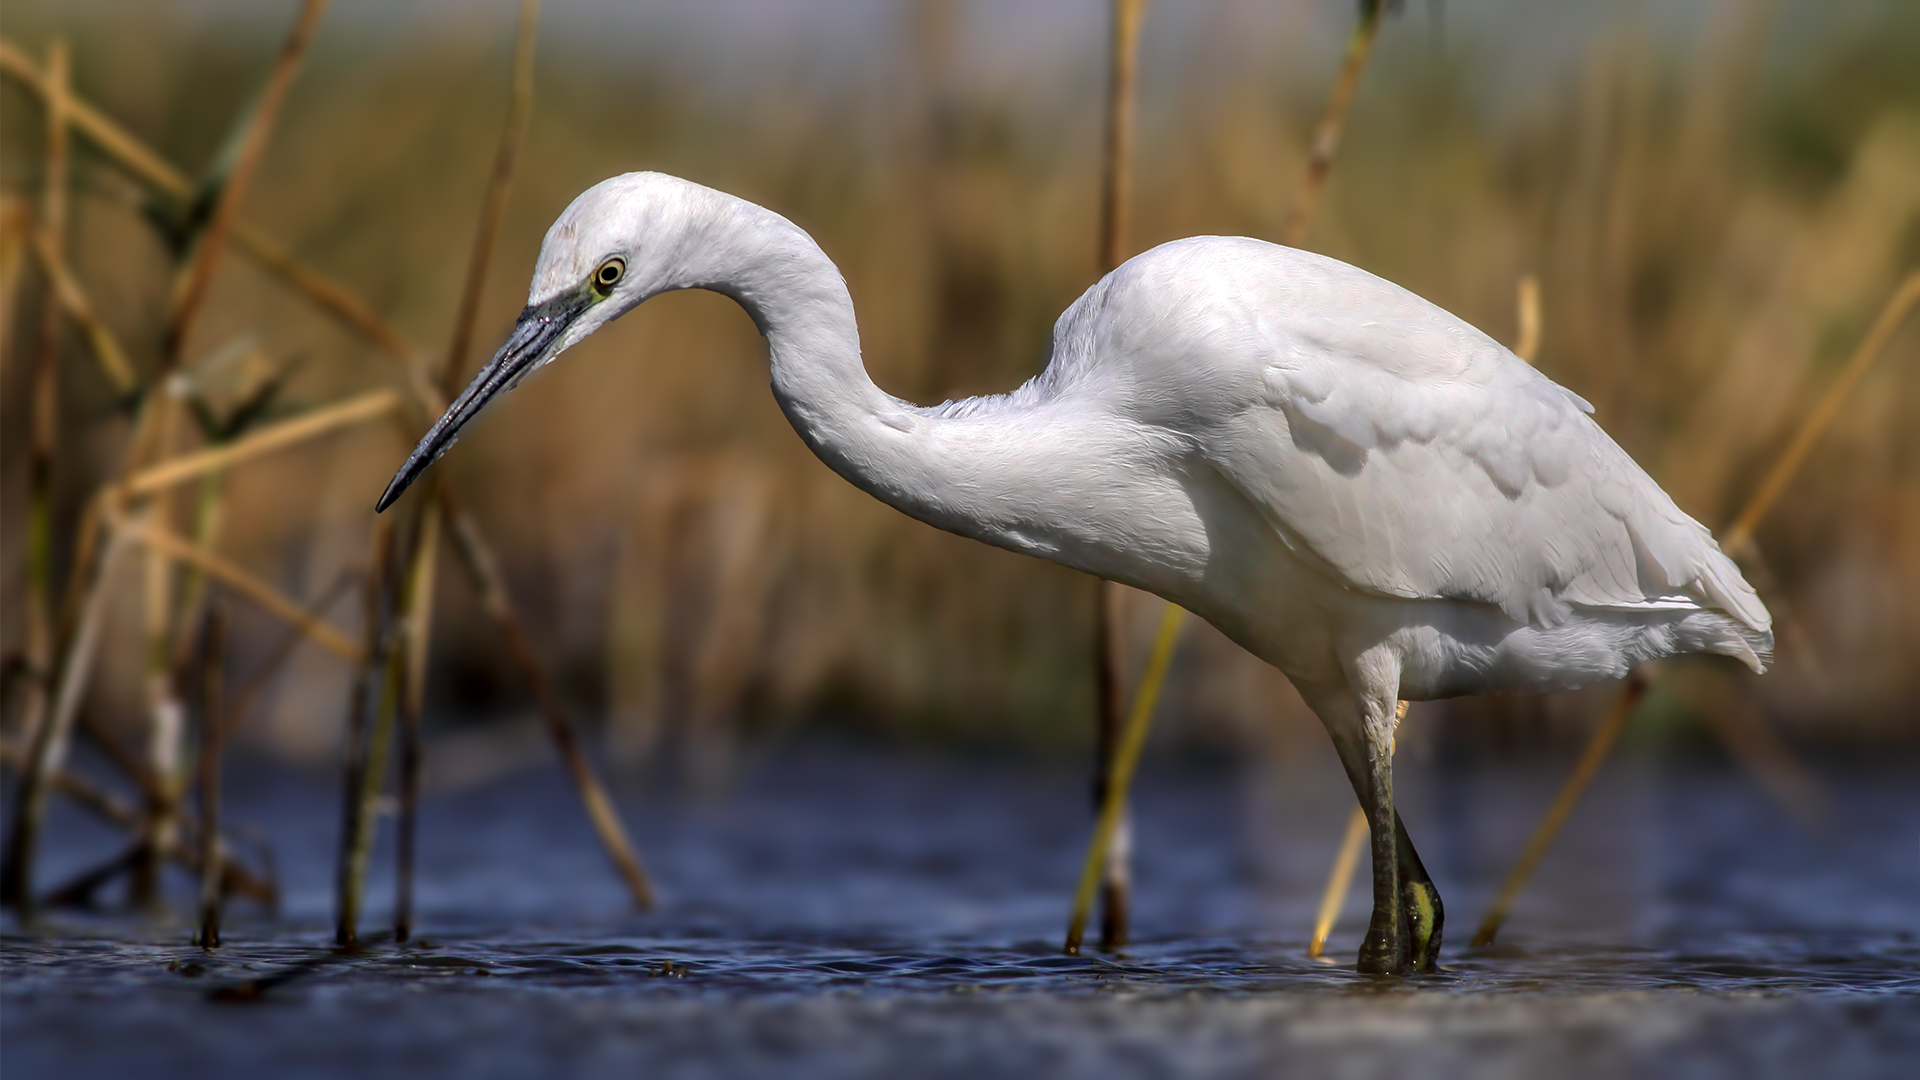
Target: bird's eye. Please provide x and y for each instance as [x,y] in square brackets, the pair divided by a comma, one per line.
[609,274]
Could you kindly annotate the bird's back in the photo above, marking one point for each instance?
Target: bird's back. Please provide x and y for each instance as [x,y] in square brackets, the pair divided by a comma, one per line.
[1392,446]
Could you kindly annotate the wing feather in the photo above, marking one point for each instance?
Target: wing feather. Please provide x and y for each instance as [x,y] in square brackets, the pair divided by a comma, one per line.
[1399,448]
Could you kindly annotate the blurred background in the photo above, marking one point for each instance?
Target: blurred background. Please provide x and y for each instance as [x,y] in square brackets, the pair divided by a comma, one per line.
[1715,196]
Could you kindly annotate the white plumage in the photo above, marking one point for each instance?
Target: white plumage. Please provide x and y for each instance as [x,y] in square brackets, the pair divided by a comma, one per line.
[1356,486]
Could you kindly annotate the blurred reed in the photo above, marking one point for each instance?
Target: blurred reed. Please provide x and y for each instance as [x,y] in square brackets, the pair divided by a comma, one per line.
[1710,236]
[1113,833]
[1746,735]
[138,507]
[212,722]
[1111,845]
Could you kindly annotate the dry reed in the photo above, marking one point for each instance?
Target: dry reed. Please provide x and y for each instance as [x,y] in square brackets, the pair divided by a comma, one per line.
[233,189]
[1339,882]
[494,207]
[212,724]
[889,623]
[1751,742]
[1739,535]
[600,811]
[153,437]
[167,728]
[1326,138]
[241,702]
[417,612]
[124,149]
[1116,193]
[1527,304]
[1110,797]
[40,638]
[1333,896]
[308,425]
[1125,759]
[265,596]
[74,303]
[369,682]
[1590,761]
[48,746]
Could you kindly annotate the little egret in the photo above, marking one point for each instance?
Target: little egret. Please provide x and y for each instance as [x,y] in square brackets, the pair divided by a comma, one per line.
[1357,487]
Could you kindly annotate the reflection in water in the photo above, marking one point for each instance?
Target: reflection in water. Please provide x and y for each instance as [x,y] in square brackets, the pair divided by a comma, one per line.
[857,911]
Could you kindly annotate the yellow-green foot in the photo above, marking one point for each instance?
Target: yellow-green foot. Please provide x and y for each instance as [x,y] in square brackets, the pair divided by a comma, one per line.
[1424,919]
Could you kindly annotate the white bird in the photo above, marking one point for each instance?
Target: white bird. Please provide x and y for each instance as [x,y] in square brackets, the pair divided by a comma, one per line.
[1354,485]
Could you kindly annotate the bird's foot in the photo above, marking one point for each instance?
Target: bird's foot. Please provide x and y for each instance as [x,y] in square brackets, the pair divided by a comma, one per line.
[1424,919]
[1383,952]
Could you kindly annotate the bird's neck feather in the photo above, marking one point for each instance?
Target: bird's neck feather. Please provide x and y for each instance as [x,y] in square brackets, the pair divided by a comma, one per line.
[961,469]
[798,299]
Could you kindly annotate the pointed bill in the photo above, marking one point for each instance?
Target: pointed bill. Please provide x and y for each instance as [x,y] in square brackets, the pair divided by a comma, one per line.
[534,341]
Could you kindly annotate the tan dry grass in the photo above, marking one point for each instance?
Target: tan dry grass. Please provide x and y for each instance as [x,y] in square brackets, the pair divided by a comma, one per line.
[1696,296]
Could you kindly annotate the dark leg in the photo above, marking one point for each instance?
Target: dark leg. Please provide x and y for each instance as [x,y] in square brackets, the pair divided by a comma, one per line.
[1363,736]
[1425,916]
[1116,878]
[1385,950]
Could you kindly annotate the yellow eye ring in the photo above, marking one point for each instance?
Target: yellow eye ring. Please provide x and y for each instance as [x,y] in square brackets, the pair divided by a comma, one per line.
[609,274]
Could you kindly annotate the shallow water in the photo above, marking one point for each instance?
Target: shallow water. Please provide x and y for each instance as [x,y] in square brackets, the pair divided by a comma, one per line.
[850,911]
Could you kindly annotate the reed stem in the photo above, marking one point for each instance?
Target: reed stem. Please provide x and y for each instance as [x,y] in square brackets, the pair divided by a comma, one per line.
[263,595]
[145,165]
[1771,762]
[47,752]
[372,781]
[209,512]
[1126,759]
[72,299]
[166,719]
[349,872]
[1583,770]
[212,740]
[1117,184]
[236,879]
[418,616]
[240,703]
[1116,876]
[1904,297]
[1326,138]
[40,645]
[1116,168]
[1116,196]
[18,231]
[1339,882]
[308,425]
[494,207]
[1527,303]
[44,420]
[481,566]
[227,207]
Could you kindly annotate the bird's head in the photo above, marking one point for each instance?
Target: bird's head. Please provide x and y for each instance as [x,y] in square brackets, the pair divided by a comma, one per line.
[622,241]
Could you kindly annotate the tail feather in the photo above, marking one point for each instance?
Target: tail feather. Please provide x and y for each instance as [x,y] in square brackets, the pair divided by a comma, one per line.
[1712,632]
[1725,588]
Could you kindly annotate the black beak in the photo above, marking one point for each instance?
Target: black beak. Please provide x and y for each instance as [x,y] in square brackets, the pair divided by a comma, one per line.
[532,342]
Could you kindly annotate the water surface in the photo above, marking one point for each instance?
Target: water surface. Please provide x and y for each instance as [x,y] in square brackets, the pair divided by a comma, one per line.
[849,911]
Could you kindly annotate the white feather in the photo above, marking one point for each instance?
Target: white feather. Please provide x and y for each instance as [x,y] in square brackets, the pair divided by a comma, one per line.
[1311,457]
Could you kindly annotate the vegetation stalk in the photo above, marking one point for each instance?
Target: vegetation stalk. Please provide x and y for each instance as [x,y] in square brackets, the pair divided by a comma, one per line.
[1326,143]
[212,740]
[1766,754]
[367,669]
[1116,193]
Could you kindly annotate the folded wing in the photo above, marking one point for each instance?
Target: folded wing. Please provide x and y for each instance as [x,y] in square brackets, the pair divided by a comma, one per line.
[1413,456]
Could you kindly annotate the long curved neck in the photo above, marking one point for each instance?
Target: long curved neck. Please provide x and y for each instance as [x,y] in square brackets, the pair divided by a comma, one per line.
[798,299]
[890,448]
[1011,470]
